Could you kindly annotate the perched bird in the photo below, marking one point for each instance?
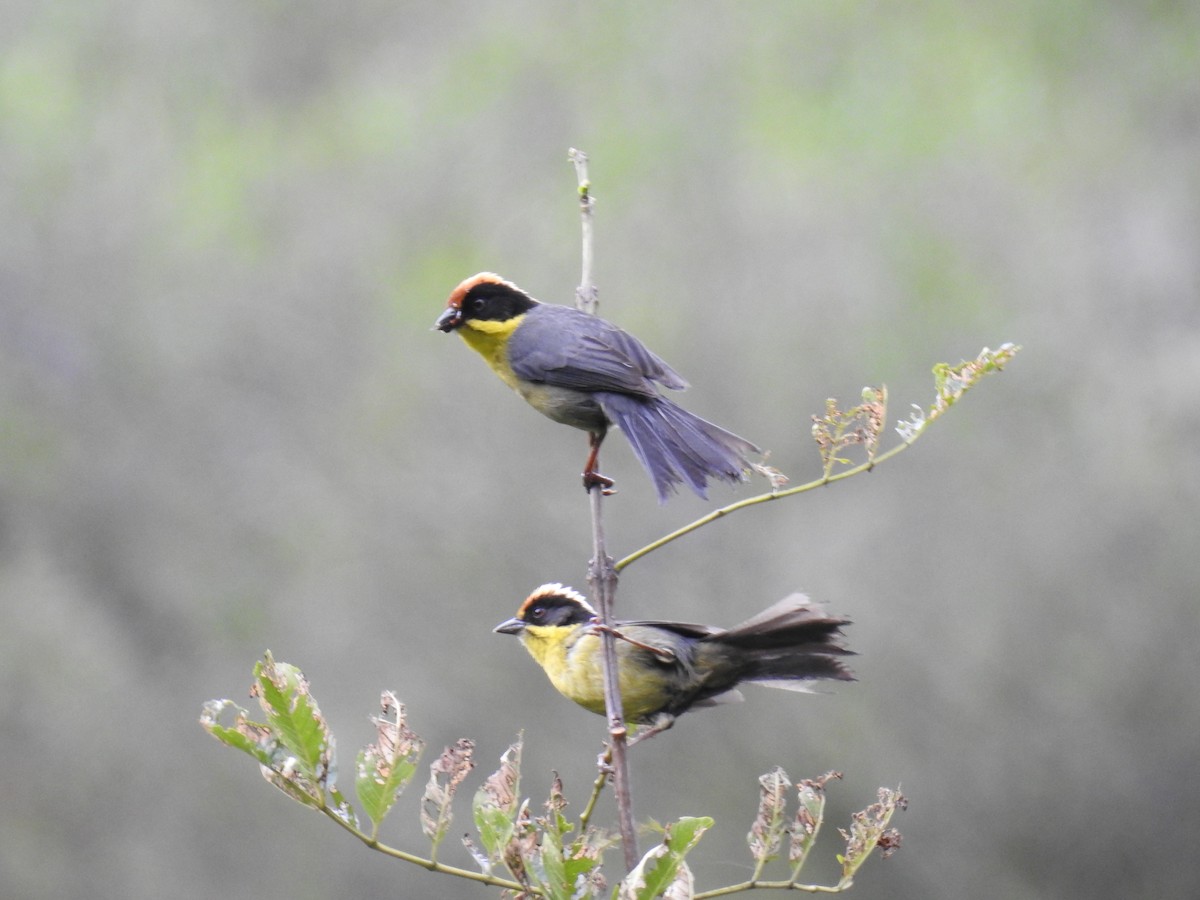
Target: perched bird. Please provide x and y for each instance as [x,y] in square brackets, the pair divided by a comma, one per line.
[667,668]
[585,372]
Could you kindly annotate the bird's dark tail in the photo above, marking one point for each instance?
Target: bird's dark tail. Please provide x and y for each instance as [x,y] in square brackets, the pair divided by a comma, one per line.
[675,446]
[787,644]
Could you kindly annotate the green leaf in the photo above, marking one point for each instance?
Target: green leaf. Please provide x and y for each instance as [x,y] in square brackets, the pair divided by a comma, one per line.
[294,716]
[551,869]
[496,802]
[581,861]
[294,746]
[562,870]
[495,827]
[252,738]
[387,766]
[341,808]
[658,869]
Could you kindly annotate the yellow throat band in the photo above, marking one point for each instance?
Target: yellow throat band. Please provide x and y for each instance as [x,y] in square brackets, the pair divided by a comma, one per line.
[489,339]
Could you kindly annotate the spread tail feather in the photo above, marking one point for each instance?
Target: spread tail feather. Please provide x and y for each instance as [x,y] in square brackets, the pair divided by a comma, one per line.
[793,640]
[675,446]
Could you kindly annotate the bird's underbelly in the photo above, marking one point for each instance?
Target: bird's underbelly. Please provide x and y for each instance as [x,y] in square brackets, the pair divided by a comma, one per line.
[578,409]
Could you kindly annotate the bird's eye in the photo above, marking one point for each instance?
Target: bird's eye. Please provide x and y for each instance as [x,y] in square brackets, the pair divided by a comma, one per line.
[477,304]
[538,612]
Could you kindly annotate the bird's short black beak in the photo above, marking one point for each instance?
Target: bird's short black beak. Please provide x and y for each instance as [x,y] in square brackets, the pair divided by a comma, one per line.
[512,626]
[449,320]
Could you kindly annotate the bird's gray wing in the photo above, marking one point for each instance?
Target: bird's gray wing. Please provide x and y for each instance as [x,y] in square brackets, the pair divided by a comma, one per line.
[684,629]
[668,646]
[563,347]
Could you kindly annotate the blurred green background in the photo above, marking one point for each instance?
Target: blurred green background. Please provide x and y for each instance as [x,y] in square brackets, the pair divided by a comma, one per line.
[226,426]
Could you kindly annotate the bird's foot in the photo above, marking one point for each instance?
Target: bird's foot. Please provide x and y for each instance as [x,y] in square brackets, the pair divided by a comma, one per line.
[592,479]
[659,724]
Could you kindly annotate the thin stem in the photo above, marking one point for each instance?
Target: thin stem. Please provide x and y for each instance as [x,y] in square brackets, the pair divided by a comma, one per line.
[758,870]
[585,295]
[585,817]
[771,886]
[602,577]
[430,864]
[762,498]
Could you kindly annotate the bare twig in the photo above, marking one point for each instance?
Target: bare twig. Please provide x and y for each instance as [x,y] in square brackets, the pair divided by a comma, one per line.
[754,501]
[430,864]
[586,296]
[585,817]
[745,886]
[602,577]
[950,383]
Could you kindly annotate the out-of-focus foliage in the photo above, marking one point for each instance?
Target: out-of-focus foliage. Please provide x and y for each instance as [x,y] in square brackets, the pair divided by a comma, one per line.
[225,424]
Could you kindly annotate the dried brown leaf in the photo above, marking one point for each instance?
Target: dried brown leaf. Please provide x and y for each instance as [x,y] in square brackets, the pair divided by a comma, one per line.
[446,773]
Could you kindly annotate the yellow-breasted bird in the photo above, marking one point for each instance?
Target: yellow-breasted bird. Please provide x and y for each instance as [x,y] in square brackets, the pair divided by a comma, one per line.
[585,372]
[667,668]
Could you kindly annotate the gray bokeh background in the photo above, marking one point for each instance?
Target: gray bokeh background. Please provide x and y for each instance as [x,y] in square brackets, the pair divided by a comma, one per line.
[225,425]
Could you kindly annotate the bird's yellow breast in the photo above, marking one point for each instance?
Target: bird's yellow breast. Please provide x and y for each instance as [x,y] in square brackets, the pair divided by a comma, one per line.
[571,658]
[489,340]
[566,405]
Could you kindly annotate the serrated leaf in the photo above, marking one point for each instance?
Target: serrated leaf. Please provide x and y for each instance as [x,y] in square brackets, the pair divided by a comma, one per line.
[555,804]
[295,784]
[445,775]
[684,834]
[840,429]
[481,858]
[495,828]
[684,885]
[341,808]
[262,741]
[293,714]
[495,803]
[251,738]
[557,880]
[502,787]
[657,870]
[951,382]
[551,868]
[582,861]
[387,766]
[766,834]
[868,830]
[521,850]
[808,820]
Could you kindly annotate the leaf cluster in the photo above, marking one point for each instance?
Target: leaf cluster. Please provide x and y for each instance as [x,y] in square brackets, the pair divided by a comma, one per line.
[530,852]
[951,382]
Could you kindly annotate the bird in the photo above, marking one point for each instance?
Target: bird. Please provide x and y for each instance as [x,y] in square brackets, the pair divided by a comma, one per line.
[668,668]
[583,371]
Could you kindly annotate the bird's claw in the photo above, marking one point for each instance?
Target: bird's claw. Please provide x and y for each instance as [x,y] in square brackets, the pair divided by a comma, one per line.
[595,479]
[661,722]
